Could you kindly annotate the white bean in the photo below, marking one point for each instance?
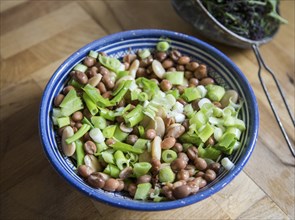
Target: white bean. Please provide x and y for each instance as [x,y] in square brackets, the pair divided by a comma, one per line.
[156,148]
[133,68]
[68,149]
[92,161]
[95,80]
[158,69]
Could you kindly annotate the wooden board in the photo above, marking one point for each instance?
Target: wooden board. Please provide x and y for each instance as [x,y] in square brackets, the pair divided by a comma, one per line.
[36,36]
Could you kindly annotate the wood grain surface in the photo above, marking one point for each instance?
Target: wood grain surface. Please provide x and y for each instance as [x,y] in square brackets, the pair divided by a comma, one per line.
[36,36]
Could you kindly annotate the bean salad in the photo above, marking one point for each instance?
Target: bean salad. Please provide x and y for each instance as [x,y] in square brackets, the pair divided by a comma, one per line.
[153,123]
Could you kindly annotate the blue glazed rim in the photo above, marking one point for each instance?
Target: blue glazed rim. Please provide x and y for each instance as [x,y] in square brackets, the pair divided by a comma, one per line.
[132,204]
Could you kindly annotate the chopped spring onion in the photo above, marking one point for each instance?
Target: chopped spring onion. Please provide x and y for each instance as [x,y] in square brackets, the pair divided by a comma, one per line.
[134,94]
[96,97]
[80,67]
[108,156]
[134,117]
[217,133]
[120,95]
[198,119]
[163,46]
[142,191]
[155,195]
[74,83]
[131,157]
[118,89]
[173,92]
[202,90]
[190,138]
[178,107]
[166,175]
[227,139]
[63,121]
[93,54]
[72,107]
[71,103]
[148,86]
[179,117]
[227,164]
[54,120]
[121,160]
[121,111]
[206,132]
[110,62]
[141,168]
[226,143]
[107,114]
[112,170]
[168,156]
[96,135]
[140,130]
[99,122]
[56,112]
[191,94]
[125,148]
[70,97]
[216,121]
[170,100]
[209,152]
[217,112]
[100,148]
[203,101]
[108,132]
[228,111]
[86,121]
[90,104]
[78,134]
[234,105]
[175,78]
[145,53]
[236,145]
[79,152]
[121,74]
[234,131]
[120,135]
[188,110]
[141,143]
[143,96]
[215,92]
[234,122]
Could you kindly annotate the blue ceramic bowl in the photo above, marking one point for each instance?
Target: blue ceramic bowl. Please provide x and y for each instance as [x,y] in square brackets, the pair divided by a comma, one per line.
[223,70]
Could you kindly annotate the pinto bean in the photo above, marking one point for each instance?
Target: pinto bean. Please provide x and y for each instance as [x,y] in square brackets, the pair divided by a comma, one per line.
[81,77]
[168,143]
[84,170]
[200,163]
[58,100]
[178,164]
[175,130]
[183,60]
[108,81]
[206,81]
[111,185]
[181,191]
[201,72]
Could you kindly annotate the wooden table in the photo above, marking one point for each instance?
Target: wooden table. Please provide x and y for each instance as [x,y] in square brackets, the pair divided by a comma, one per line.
[36,36]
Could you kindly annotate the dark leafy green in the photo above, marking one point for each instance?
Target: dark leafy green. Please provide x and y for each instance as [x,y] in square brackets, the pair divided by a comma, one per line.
[252,19]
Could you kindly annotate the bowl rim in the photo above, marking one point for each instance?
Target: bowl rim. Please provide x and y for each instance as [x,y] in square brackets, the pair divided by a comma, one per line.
[133,204]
